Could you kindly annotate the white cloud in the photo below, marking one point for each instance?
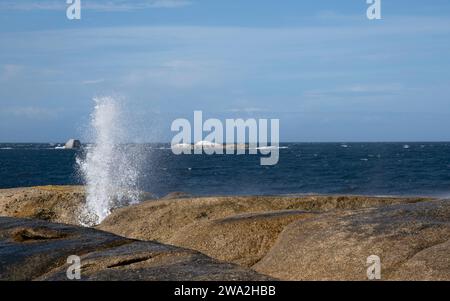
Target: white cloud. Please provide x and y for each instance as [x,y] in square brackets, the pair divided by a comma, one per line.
[382,88]
[170,3]
[186,66]
[177,73]
[98,5]
[247,110]
[357,90]
[93,81]
[31,112]
[32,5]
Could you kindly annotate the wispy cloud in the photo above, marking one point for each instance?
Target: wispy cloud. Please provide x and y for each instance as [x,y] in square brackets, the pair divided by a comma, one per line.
[93,81]
[31,112]
[98,5]
[170,3]
[176,73]
[247,110]
[357,90]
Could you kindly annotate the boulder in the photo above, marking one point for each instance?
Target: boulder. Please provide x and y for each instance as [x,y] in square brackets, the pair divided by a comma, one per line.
[72,144]
[242,239]
[302,238]
[61,204]
[411,240]
[38,250]
[161,220]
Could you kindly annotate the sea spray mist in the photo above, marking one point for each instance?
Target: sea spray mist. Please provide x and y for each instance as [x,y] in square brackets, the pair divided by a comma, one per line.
[110,166]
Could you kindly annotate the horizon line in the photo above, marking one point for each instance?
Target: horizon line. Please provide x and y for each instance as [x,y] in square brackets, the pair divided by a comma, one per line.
[285,142]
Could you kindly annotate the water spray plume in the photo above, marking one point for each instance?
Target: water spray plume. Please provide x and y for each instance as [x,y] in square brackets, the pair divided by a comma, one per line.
[110,167]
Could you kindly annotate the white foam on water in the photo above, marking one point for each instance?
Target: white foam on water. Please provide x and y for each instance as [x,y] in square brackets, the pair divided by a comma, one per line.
[109,167]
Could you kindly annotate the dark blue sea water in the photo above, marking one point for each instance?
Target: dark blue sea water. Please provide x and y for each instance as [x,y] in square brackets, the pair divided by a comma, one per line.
[304,168]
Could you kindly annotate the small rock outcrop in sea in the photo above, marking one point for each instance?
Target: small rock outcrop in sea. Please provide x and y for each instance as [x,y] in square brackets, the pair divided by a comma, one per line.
[72,144]
[38,250]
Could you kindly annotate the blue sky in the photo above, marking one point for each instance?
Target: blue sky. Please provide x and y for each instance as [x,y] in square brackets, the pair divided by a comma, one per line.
[321,67]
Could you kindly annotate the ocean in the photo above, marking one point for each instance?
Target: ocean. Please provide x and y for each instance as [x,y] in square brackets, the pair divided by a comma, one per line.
[388,169]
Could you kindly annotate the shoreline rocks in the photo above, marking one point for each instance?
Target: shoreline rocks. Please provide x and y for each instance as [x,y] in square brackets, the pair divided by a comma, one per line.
[283,237]
[59,204]
[160,220]
[412,241]
[38,250]
[243,239]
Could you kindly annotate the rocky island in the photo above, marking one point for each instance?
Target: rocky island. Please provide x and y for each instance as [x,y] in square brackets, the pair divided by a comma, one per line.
[224,238]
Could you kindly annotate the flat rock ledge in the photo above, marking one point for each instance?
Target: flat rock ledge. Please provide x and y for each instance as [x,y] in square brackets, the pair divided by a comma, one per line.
[38,250]
[60,204]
